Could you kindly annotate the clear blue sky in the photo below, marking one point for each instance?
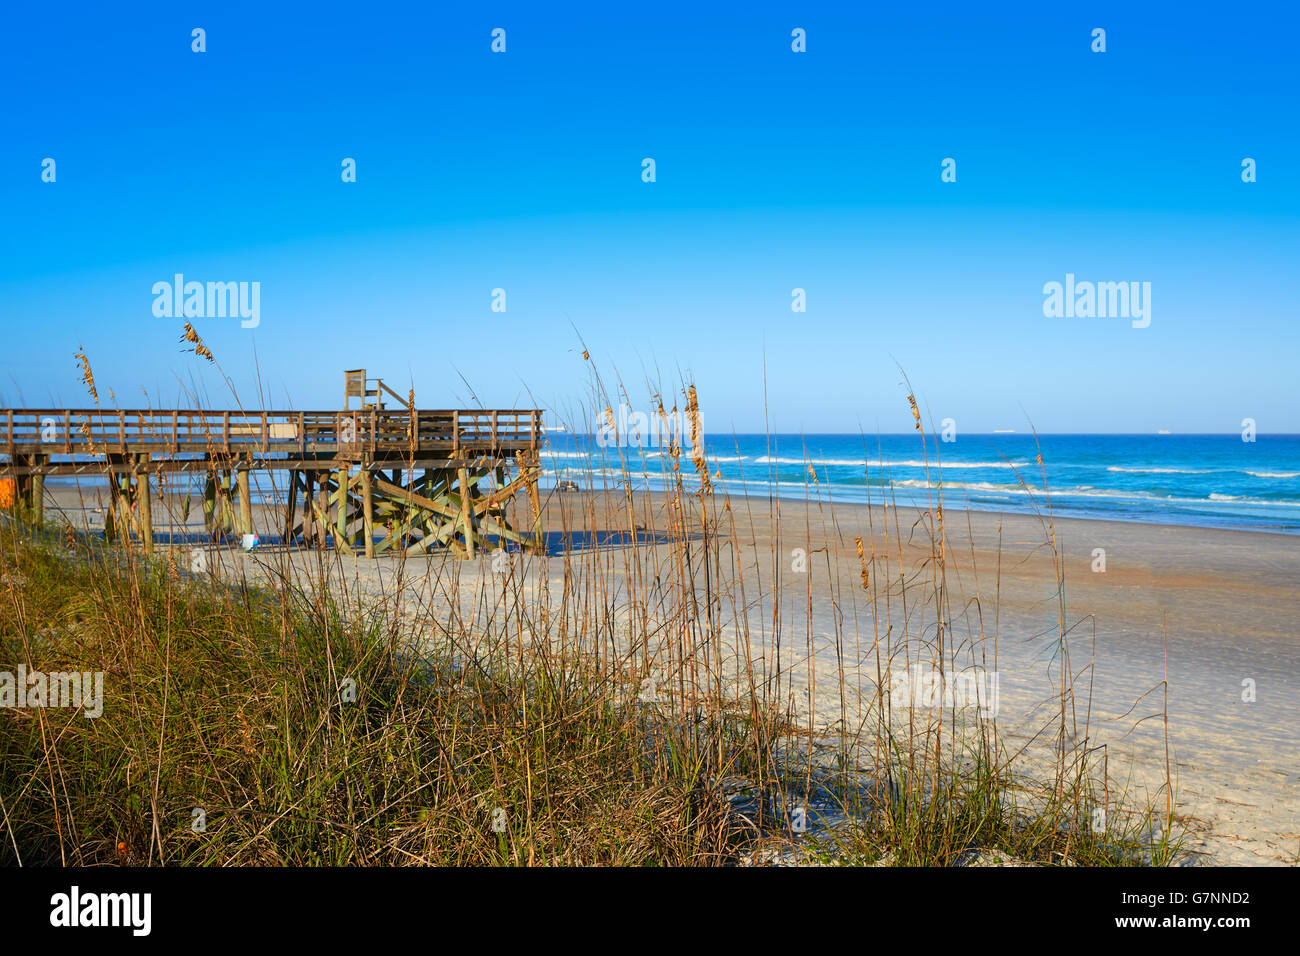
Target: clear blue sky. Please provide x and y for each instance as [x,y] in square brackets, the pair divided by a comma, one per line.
[775,170]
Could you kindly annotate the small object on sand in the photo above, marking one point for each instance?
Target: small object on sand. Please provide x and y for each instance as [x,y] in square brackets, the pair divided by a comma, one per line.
[249,541]
[568,486]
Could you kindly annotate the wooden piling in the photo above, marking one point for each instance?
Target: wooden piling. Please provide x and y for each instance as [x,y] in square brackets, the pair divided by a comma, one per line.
[535,506]
[467,511]
[291,509]
[145,503]
[323,522]
[210,503]
[245,503]
[111,513]
[121,504]
[37,516]
[341,515]
[225,495]
[230,519]
[367,513]
[308,511]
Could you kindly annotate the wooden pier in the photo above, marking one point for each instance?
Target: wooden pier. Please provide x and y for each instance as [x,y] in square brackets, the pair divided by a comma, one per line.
[367,480]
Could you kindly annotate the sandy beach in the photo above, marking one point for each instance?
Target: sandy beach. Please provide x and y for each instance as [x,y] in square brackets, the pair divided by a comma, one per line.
[1217,607]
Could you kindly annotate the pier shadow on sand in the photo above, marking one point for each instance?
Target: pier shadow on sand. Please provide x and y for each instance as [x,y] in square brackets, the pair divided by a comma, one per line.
[554,543]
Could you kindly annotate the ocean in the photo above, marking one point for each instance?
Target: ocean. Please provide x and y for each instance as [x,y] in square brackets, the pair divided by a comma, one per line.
[1207,480]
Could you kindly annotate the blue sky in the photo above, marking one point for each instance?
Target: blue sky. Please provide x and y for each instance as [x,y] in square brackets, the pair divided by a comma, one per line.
[775,170]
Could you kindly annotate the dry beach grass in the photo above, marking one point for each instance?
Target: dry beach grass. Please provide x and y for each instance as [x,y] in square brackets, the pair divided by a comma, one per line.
[694,676]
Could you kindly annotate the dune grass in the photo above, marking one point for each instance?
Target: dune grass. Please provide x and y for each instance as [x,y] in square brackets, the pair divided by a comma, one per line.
[632,699]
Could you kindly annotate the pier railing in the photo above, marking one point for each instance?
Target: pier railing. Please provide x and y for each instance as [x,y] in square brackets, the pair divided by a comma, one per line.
[373,432]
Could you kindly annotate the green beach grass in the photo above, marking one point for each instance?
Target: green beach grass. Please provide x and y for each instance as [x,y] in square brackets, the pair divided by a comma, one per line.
[284,721]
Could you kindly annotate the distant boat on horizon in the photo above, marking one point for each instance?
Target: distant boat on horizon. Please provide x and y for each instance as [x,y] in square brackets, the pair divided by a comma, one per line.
[1004,431]
[1164,431]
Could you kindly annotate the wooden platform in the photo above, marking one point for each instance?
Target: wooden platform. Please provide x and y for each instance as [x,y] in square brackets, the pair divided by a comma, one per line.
[411,475]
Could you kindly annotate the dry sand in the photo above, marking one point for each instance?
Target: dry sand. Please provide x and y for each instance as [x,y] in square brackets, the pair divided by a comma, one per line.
[1223,605]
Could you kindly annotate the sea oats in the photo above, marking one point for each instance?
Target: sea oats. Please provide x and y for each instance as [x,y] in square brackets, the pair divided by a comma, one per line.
[87,377]
[199,349]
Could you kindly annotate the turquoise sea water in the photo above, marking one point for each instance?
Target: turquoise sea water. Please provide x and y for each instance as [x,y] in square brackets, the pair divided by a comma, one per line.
[1208,480]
